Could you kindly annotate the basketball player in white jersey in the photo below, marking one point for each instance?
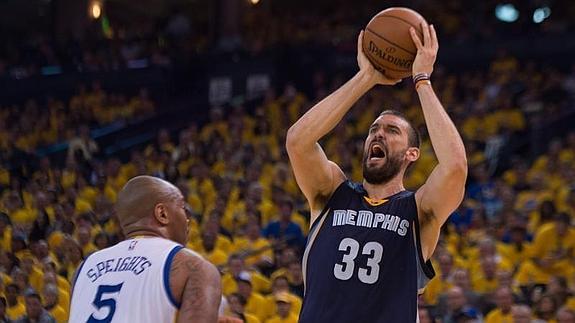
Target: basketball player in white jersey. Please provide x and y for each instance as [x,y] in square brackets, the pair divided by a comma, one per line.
[149,277]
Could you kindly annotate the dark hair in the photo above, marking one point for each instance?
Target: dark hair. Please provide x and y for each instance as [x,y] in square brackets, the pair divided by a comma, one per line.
[563,218]
[240,298]
[413,137]
[14,286]
[34,295]
[5,218]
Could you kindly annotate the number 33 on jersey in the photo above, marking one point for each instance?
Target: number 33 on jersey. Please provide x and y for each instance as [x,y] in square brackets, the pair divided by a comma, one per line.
[364,256]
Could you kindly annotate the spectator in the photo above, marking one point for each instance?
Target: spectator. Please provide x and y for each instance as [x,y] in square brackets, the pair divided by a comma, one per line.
[285,229]
[546,308]
[237,305]
[425,315]
[82,147]
[255,302]
[522,314]
[458,306]
[296,278]
[3,315]
[35,313]
[51,303]
[283,313]
[504,301]
[15,308]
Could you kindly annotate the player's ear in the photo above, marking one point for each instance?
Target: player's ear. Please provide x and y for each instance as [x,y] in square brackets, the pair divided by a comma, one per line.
[412,154]
[161,213]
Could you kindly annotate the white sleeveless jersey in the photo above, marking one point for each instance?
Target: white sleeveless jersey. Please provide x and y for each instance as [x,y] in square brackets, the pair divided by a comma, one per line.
[128,282]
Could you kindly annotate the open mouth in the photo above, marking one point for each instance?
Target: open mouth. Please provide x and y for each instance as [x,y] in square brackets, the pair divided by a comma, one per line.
[376,152]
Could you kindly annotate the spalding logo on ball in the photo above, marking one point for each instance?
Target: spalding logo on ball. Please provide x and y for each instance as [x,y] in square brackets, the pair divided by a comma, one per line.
[387,43]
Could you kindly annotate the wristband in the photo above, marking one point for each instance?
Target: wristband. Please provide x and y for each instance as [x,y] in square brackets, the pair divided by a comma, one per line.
[419,77]
[421,82]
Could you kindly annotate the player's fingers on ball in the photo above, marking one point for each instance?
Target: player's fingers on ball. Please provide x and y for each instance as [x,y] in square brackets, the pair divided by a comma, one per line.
[426,36]
[359,40]
[434,36]
[415,38]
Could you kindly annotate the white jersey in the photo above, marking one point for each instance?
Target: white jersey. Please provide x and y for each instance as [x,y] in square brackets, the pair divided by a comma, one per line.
[128,282]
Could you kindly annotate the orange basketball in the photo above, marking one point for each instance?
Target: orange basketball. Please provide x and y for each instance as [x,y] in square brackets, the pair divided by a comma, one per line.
[387,42]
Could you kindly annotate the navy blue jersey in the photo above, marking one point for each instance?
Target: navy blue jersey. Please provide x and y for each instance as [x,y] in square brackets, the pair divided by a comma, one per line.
[363,261]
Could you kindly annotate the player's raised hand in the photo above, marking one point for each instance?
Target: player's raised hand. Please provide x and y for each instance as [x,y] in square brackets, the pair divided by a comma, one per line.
[365,66]
[426,49]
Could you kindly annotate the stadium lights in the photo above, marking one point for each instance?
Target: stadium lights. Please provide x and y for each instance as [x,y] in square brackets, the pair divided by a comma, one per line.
[506,12]
[541,14]
[96,9]
[254,2]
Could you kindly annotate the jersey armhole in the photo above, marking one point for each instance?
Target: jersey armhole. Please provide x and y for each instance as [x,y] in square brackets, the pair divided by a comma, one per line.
[326,206]
[425,266]
[167,267]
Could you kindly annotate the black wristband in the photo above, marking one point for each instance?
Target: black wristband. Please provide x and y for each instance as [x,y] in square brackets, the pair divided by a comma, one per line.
[420,77]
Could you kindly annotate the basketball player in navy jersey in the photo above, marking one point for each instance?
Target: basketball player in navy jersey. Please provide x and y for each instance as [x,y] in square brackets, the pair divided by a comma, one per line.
[370,243]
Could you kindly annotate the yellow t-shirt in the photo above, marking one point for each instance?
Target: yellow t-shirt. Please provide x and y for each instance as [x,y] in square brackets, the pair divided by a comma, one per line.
[292,318]
[570,303]
[434,288]
[63,298]
[547,242]
[23,216]
[216,256]
[89,248]
[59,314]
[256,305]
[295,301]
[483,285]
[6,239]
[16,311]
[250,318]
[496,316]
[260,283]
[261,245]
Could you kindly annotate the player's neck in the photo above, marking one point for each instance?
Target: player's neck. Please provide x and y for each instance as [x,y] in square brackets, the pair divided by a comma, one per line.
[381,191]
[144,233]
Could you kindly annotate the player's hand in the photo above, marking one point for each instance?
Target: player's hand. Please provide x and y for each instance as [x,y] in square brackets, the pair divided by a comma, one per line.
[426,50]
[365,66]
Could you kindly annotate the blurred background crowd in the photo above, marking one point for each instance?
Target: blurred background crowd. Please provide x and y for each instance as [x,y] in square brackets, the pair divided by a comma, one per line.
[166,90]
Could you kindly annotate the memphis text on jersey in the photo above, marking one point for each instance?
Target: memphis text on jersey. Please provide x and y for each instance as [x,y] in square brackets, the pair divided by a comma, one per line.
[136,264]
[368,219]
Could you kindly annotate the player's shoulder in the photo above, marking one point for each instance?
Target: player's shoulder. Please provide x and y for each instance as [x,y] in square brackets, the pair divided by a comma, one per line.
[190,259]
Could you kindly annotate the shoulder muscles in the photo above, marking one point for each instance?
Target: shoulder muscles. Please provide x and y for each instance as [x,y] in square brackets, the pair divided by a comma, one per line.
[196,285]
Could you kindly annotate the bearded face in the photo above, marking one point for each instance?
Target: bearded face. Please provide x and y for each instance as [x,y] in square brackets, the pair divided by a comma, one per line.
[379,164]
[386,151]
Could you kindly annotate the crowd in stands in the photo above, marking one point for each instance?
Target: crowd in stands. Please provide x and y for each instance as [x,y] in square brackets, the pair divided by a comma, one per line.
[34,125]
[507,252]
[337,22]
[168,40]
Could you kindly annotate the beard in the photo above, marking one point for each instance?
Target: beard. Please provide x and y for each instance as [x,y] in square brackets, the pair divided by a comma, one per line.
[382,174]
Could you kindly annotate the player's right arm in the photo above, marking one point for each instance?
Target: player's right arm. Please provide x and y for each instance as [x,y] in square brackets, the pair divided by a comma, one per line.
[317,176]
[196,285]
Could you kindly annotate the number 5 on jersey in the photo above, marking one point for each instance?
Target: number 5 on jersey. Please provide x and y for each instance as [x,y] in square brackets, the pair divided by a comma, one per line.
[109,303]
[351,248]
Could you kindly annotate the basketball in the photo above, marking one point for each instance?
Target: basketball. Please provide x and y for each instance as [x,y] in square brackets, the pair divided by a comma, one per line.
[387,42]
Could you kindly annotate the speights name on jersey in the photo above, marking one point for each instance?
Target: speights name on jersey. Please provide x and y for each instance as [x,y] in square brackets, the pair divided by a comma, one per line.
[135,264]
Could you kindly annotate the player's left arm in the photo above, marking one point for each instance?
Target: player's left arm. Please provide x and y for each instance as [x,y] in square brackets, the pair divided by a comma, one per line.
[444,189]
[195,284]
